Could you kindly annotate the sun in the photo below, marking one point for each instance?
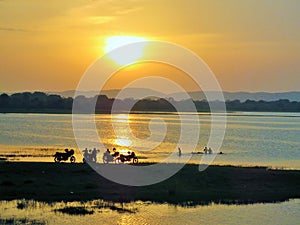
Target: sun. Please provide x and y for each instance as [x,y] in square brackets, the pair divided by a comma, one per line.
[135,53]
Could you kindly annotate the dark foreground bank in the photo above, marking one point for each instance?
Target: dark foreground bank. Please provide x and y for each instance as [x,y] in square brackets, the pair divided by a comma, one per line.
[52,182]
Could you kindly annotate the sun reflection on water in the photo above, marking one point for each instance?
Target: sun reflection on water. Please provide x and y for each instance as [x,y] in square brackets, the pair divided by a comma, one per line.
[121,126]
[123,142]
[121,118]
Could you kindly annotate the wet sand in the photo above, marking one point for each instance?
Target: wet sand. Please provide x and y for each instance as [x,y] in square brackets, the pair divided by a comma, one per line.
[51,182]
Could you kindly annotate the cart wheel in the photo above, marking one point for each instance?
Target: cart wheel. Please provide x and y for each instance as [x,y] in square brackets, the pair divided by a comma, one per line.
[72,159]
[135,160]
[56,159]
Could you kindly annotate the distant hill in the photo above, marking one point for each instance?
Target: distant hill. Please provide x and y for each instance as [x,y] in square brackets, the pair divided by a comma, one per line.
[138,93]
[243,96]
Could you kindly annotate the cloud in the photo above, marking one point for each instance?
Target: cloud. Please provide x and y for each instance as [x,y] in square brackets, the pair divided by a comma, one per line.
[100,19]
[127,11]
[11,29]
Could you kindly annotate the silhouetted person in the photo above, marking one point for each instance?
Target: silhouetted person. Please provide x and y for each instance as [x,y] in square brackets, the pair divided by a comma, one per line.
[132,154]
[85,155]
[94,155]
[116,153]
[210,151]
[179,151]
[107,152]
[205,150]
[108,155]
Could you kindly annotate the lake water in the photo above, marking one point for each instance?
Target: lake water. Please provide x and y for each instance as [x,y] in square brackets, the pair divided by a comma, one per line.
[149,213]
[269,139]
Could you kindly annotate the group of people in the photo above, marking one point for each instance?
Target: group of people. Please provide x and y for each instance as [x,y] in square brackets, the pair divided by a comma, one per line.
[207,150]
[90,155]
[110,155]
[210,151]
[116,154]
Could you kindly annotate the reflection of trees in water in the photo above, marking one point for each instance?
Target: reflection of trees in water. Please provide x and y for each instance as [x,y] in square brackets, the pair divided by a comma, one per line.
[22,221]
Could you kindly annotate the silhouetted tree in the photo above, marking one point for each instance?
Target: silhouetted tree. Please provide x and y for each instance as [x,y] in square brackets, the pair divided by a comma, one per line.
[5,101]
[39,101]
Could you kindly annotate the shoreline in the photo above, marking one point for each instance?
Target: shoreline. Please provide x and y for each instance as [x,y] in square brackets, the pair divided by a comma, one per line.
[44,154]
[51,182]
[30,158]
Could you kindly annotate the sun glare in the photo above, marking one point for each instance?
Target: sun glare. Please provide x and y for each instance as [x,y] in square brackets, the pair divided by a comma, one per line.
[129,57]
[123,142]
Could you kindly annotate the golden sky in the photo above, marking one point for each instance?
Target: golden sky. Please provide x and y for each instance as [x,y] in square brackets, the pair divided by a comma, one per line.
[250,45]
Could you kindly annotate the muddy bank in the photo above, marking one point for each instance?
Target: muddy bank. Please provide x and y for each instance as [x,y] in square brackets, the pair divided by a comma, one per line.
[53,182]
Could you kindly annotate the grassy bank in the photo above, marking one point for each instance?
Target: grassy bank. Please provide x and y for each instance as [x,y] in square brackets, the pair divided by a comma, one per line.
[69,182]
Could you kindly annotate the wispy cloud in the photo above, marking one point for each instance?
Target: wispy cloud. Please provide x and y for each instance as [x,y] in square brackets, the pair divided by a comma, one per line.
[127,11]
[12,29]
[100,19]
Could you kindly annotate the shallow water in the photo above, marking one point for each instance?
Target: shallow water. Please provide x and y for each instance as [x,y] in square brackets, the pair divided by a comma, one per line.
[149,213]
[269,139]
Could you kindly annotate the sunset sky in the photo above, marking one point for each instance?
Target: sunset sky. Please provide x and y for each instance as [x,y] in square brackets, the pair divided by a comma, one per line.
[250,45]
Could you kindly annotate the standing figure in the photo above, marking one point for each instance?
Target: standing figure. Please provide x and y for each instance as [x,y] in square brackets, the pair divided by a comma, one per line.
[205,150]
[107,152]
[94,155]
[85,155]
[179,151]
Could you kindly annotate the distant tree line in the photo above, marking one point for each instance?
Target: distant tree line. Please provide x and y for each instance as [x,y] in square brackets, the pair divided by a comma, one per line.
[42,102]
[34,102]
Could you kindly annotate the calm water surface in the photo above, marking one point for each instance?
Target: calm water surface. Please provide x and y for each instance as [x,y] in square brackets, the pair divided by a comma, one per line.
[148,213]
[270,139]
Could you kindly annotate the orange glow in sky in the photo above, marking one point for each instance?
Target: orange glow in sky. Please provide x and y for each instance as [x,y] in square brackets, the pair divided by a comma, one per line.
[249,45]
